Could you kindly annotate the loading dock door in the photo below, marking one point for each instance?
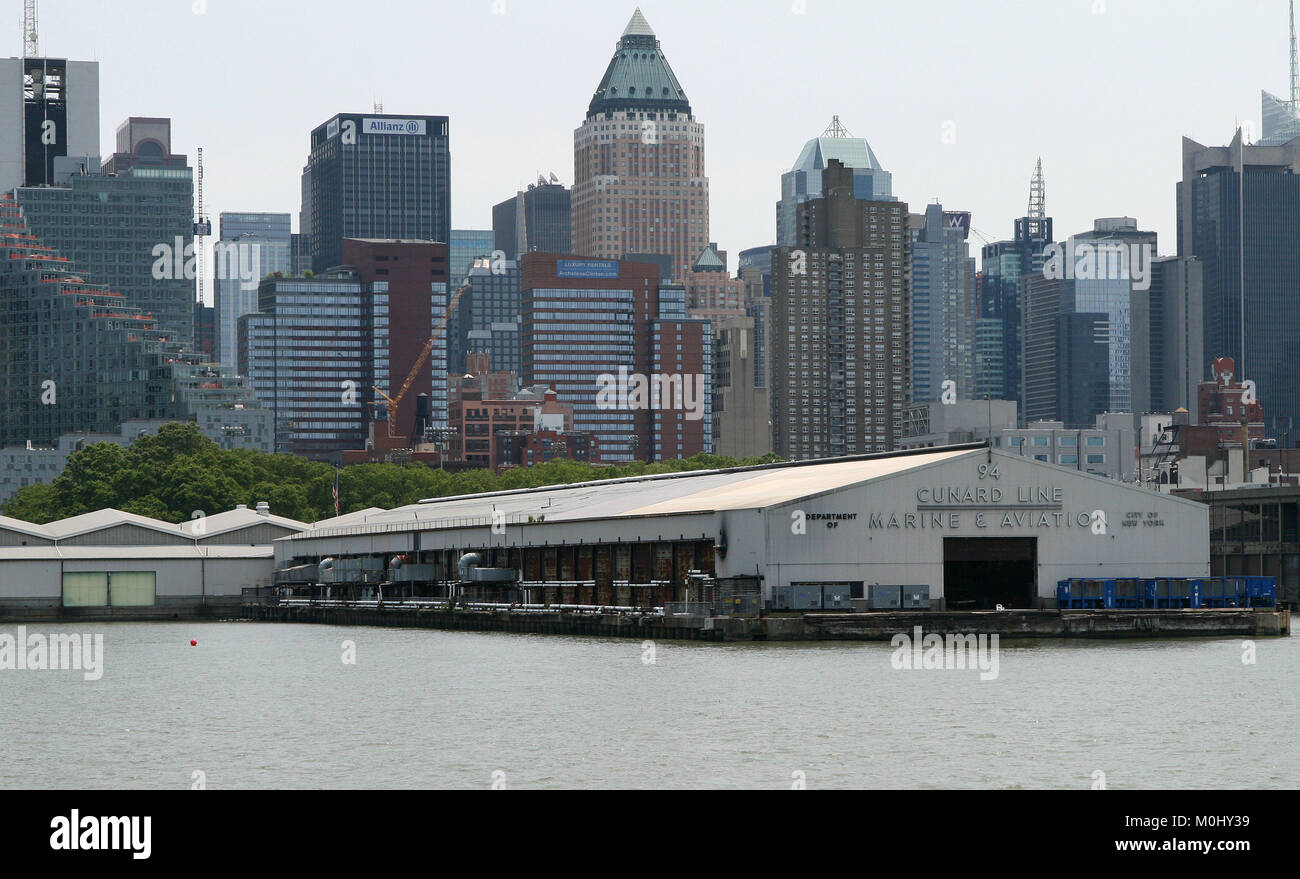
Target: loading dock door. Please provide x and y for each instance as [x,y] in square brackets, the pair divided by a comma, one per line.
[979,573]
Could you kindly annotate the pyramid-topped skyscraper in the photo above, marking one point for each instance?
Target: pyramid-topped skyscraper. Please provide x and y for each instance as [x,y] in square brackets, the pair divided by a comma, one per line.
[1281,118]
[639,183]
[803,182]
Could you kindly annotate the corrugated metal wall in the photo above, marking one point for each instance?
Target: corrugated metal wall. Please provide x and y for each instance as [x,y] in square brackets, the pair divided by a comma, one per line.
[261,534]
[17,538]
[128,535]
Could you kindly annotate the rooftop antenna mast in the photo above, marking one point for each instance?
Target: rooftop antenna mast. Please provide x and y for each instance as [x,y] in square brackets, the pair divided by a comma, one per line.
[31,33]
[1038,193]
[835,129]
[1295,65]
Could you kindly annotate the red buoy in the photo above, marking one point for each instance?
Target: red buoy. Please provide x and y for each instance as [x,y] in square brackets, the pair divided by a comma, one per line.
[194,643]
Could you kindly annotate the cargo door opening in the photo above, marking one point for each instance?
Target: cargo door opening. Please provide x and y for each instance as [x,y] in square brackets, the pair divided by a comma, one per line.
[979,573]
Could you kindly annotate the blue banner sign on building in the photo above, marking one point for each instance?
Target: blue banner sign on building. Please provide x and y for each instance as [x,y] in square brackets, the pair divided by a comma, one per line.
[586,268]
[958,220]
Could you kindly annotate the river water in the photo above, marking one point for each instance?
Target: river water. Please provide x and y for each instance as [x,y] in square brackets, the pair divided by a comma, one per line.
[258,705]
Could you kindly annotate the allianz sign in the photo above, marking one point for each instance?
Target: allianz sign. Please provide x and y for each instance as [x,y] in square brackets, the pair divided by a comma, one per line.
[414,127]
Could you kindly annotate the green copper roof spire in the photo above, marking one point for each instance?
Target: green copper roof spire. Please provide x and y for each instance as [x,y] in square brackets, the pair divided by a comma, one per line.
[638,26]
[639,78]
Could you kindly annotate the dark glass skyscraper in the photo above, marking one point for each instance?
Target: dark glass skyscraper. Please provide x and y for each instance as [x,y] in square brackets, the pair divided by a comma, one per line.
[312,352]
[488,318]
[1002,292]
[755,266]
[1006,267]
[943,304]
[1175,348]
[130,226]
[1251,309]
[376,176]
[252,246]
[466,246]
[49,111]
[74,356]
[1083,354]
[1066,354]
[1087,326]
[536,219]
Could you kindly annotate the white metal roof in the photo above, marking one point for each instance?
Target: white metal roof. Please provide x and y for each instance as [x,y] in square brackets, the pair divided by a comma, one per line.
[360,517]
[102,519]
[772,487]
[233,520]
[115,553]
[661,494]
[25,527]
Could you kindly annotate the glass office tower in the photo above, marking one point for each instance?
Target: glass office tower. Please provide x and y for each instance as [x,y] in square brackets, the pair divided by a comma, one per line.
[376,176]
[251,246]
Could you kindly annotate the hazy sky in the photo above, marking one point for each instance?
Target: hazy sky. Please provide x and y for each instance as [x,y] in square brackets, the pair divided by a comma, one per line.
[1103,90]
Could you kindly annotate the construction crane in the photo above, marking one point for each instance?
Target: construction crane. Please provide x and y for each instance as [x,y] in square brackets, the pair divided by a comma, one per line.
[202,228]
[394,402]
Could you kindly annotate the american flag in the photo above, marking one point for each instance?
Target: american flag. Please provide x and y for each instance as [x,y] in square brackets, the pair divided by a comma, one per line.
[336,491]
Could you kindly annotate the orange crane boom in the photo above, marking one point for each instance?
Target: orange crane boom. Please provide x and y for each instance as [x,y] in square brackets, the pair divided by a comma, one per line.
[394,402]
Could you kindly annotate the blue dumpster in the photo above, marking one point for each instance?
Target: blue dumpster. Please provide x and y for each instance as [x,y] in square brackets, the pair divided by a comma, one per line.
[1261,591]
[1063,594]
[1172,592]
[1149,593]
[1128,593]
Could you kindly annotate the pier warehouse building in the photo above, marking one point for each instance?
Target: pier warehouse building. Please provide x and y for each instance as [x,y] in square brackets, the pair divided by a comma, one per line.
[978,526]
[112,564]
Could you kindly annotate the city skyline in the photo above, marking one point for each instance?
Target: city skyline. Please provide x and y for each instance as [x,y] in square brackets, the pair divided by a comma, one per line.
[731,60]
[666,395]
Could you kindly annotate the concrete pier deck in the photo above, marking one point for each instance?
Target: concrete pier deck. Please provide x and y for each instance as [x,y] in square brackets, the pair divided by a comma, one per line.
[868,626]
[1222,622]
[603,625]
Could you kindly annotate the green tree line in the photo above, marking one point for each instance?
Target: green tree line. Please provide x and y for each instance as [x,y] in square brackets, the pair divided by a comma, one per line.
[171,475]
